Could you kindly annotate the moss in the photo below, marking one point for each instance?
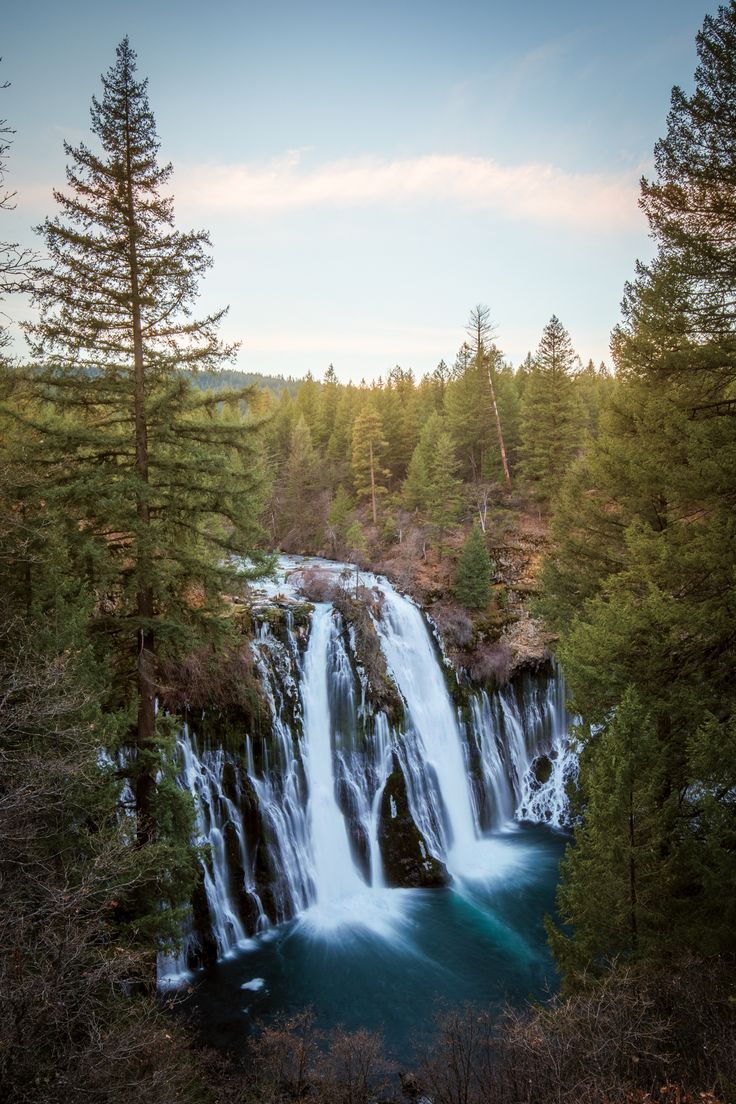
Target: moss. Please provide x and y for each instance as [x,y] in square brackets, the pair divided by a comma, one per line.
[204,950]
[407,861]
[542,768]
[381,691]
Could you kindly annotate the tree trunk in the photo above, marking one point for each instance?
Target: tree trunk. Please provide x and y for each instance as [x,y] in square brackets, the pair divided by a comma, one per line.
[146,645]
[373,484]
[499,433]
[632,875]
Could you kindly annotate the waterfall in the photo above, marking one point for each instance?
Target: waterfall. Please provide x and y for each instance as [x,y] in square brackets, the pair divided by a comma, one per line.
[311,813]
[437,772]
[335,873]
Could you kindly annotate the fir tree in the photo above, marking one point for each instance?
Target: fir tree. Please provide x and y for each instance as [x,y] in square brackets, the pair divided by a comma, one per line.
[298,518]
[467,404]
[480,330]
[641,577]
[680,313]
[444,487]
[159,489]
[474,570]
[550,417]
[369,448]
[619,848]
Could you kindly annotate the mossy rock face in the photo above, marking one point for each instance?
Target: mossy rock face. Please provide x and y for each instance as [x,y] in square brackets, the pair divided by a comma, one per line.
[407,861]
[542,769]
[358,837]
[204,951]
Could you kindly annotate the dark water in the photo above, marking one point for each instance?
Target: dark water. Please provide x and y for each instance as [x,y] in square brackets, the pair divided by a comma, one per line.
[388,960]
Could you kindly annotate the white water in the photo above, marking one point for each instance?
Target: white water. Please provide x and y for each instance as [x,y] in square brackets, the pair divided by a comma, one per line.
[435,760]
[318,780]
[335,874]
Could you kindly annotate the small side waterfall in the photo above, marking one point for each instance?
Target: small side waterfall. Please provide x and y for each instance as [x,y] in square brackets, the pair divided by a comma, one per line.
[314,811]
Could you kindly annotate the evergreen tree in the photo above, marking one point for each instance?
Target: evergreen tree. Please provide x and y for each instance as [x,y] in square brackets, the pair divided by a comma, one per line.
[641,578]
[550,417]
[397,404]
[619,848]
[467,403]
[339,446]
[306,403]
[339,517]
[480,331]
[326,409]
[474,570]
[680,313]
[138,461]
[369,448]
[298,516]
[443,487]
[416,485]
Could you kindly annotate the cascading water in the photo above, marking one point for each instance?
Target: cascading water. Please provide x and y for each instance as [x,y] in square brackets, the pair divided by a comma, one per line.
[436,770]
[335,873]
[306,816]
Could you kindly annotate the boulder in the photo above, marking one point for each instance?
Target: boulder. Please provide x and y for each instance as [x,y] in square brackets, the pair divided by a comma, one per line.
[407,861]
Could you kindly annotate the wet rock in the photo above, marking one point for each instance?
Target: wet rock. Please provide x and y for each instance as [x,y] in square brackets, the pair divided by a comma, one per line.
[542,769]
[203,949]
[407,861]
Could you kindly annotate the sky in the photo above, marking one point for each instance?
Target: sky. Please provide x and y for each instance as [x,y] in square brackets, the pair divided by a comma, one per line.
[370,171]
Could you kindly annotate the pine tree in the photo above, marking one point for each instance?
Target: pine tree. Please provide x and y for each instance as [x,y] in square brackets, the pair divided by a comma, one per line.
[369,447]
[680,313]
[416,485]
[641,578]
[480,331]
[160,490]
[326,409]
[443,487]
[467,404]
[298,515]
[550,417]
[618,849]
[474,570]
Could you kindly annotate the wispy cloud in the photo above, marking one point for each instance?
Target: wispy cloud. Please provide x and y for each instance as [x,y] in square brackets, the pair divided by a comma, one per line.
[532,191]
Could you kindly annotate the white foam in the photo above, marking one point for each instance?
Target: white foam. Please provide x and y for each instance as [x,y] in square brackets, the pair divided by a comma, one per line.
[255,984]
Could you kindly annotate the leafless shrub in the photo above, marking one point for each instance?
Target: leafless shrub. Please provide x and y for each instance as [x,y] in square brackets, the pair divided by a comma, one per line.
[454,624]
[315,583]
[71,1026]
[626,1038]
[207,678]
[458,1067]
[490,662]
[352,1070]
[285,1057]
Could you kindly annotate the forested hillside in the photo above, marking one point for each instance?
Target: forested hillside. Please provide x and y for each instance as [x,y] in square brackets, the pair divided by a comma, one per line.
[552,508]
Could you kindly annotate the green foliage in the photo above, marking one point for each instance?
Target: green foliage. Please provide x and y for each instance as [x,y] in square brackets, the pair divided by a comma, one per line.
[550,415]
[369,448]
[618,848]
[474,570]
[137,485]
[298,523]
[469,413]
[641,579]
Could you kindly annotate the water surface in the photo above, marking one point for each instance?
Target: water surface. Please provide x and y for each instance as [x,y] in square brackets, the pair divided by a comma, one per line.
[389,959]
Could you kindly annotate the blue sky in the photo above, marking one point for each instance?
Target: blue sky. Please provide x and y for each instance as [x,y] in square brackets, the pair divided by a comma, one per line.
[370,171]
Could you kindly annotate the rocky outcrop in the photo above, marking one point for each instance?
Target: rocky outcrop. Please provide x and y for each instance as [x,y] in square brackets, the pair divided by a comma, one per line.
[407,861]
[528,643]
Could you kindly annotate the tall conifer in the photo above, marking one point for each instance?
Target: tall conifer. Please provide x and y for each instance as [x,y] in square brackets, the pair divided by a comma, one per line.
[550,416]
[142,463]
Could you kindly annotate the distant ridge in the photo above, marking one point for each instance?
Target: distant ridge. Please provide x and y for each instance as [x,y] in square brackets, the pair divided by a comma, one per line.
[231,378]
